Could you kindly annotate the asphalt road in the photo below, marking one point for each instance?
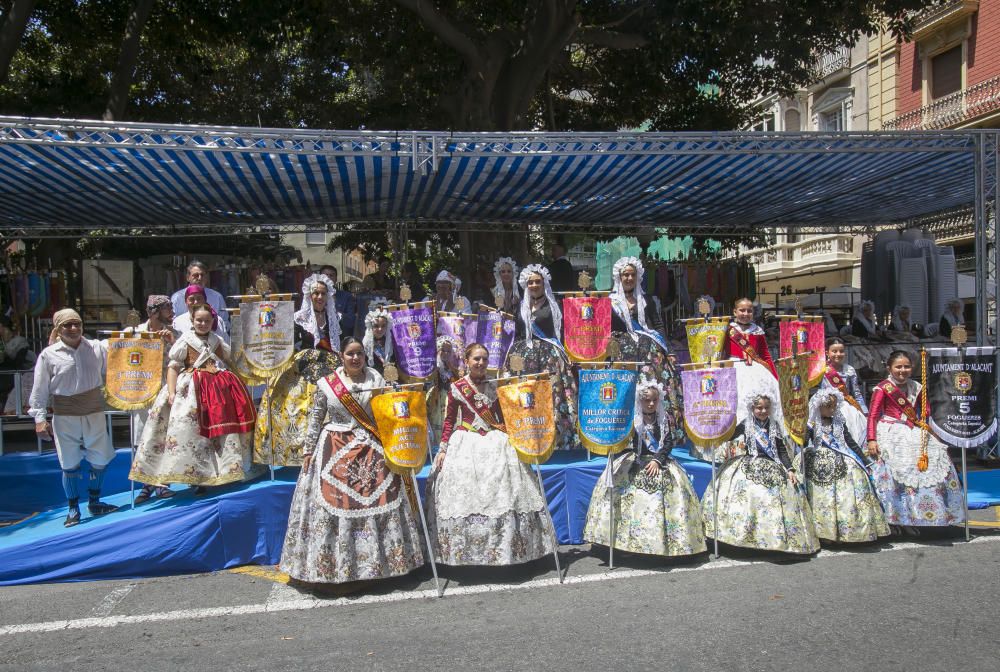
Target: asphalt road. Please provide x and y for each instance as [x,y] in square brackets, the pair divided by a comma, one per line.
[926,604]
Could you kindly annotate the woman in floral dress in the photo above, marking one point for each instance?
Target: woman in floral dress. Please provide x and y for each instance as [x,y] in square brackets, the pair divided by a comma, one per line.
[485,505]
[841,494]
[350,517]
[759,502]
[656,509]
[539,344]
[200,428]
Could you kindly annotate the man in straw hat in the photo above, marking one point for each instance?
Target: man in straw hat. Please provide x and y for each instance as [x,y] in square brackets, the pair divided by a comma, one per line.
[71,371]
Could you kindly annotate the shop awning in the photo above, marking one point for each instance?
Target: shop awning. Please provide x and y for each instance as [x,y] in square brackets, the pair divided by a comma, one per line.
[60,177]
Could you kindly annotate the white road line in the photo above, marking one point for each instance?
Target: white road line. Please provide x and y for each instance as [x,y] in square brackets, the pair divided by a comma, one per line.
[282,600]
[111,600]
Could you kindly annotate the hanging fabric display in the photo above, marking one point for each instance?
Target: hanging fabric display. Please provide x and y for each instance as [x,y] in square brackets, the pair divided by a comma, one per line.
[710,401]
[401,417]
[807,335]
[607,408]
[528,413]
[413,339]
[268,335]
[495,332]
[961,389]
[587,326]
[134,372]
[794,392]
[706,339]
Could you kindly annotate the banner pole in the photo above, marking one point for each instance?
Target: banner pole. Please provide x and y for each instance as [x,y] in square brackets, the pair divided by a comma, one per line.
[965,469]
[131,435]
[715,506]
[270,433]
[555,539]
[427,536]
[611,513]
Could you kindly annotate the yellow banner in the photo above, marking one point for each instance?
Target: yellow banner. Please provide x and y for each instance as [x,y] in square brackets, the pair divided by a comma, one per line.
[706,339]
[794,386]
[529,417]
[402,425]
[135,372]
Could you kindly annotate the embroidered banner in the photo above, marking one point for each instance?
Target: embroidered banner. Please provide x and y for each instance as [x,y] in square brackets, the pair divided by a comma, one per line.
[530,418]
[710,401]
[471,323]
[413,338]
[794,390]
[495,331]
[706,339]
[961,389]
[268,336]
[402,426]
[452,326]
[587,327]
[806,336]
[607,408]
[134,372]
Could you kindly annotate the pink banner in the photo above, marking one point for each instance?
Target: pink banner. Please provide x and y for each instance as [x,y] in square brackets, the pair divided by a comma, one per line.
[807,336]
[586,327]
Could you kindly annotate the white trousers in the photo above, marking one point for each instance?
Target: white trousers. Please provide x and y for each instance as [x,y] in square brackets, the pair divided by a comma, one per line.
[82,436]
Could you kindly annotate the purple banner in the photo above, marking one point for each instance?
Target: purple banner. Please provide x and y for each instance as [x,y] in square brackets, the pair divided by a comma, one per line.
[495,330]
[471,324]
[452,325]
[709,405]
[413,338]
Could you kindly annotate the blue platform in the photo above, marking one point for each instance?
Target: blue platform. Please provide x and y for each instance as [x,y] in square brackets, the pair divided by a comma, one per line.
[237,525]
[245,523]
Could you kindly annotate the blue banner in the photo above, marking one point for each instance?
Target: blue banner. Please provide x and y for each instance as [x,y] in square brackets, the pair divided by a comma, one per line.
[607,409]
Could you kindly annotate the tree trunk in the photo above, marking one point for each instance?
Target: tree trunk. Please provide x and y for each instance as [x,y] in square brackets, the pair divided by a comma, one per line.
[11,33]
[127,58]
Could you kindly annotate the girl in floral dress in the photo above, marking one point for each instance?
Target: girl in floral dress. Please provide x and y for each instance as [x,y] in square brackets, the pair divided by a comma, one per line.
[914,476]
[200,428]
[759,502]
[841,494]
[656,509]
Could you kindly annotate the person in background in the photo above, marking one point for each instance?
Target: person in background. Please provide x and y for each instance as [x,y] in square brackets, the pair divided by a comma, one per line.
[563,276]
[382,283]
[953,316]
[197,274]
[347,307]
[411,276]
[194,296]
[71,371]
[15,355]
[863,325]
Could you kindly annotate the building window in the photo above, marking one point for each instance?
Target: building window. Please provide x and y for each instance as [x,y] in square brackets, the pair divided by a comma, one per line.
[766,124]
[832,120]
[315,238]
[946,73]
[793,120]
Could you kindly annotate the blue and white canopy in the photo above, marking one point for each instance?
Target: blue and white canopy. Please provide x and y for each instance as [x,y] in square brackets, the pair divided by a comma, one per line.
[59,176]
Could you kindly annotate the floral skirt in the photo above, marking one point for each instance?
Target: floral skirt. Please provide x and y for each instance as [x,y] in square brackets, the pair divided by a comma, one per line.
[656,515]
[911,497]
[285,408]
[542,356]
[173,450]
[759,507]
[485,506]
[350,518]
[657,367]
[843,500]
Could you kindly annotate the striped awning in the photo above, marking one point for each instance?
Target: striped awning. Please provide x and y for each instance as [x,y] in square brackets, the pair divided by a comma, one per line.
[67,176]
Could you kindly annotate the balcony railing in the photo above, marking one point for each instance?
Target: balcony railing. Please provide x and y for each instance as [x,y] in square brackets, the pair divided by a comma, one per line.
[831,61]
[928,19]
[826,251]
[951,110]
